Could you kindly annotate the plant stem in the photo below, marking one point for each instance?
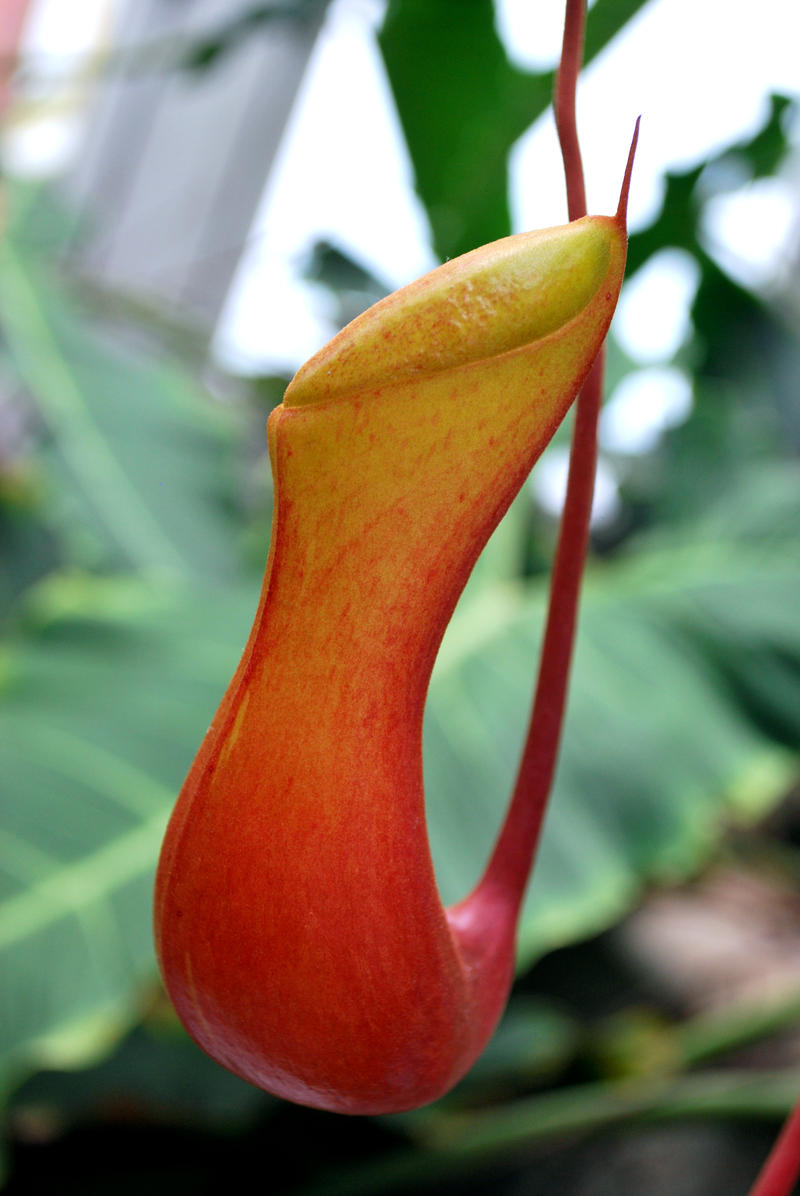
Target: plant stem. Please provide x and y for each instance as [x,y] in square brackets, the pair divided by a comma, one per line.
[450,1144]
[564,100]
[710,1034]
[512,858]
[782,1168]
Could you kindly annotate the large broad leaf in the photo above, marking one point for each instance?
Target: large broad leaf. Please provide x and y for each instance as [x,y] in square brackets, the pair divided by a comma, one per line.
[108,691]
[104,692]
[684,710]
[102,705]
[659,749]
[463,104]
[137,460]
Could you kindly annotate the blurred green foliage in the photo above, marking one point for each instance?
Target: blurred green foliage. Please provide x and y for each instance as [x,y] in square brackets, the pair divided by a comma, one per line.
[128,517]
[463,104]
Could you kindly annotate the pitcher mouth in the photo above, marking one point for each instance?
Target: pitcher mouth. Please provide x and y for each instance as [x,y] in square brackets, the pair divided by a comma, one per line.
[494,300]
[489,302]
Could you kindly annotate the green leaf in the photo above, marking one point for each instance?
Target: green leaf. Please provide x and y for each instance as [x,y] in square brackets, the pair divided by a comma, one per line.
[102,705]
[462,106]
[744,355]
[676,224]
[138,463]
[660,748]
